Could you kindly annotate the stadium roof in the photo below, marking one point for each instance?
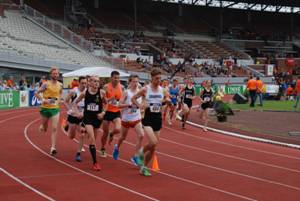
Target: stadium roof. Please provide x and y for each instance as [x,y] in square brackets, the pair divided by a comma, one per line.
[283,6]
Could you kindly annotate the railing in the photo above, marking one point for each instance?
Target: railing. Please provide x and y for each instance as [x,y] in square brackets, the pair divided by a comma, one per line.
[59,29]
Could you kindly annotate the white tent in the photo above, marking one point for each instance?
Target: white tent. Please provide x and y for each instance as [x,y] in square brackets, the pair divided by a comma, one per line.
[98,71]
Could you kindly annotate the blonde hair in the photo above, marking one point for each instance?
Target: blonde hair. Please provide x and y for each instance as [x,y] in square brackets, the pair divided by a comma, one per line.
[53,69]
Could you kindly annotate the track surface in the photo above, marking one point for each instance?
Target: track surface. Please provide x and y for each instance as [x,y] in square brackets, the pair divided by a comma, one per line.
[194,166]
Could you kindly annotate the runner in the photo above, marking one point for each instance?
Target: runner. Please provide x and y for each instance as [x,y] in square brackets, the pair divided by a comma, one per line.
[174,94]
[188,95]
[131,118]
[206,97]
[51,90]
[152,121]
[93,114]
[74,119]
[113,94]
[165,107]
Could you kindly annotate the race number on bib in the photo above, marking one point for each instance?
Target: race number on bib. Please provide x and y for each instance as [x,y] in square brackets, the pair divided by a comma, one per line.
[206,99]
[188,96]
[114,102]
[53,101]
[92,107]
[155,108]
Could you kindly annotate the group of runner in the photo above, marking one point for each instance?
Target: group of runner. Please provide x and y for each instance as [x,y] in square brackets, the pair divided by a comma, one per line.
[142,108]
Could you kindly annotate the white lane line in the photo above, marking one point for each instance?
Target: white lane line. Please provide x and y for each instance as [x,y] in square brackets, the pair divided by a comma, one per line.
[48,175]
[22,115]
[229,156]
[26,185]
[232,145]
[79,170]
[222,170]
[181,178]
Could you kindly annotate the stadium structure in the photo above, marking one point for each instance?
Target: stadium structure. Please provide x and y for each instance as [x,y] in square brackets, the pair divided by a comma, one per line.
[208,39]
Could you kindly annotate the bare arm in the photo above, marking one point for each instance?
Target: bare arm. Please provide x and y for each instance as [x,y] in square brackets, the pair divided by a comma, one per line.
[68,98]
[40,90]
[122,101]
[140,93]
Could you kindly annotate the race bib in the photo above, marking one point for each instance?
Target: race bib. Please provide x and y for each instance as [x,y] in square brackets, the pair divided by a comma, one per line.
[114,102]
[206,99]
[173,96]
[53,101]
[188,96]
[93,107]
[133,110]
[155,108]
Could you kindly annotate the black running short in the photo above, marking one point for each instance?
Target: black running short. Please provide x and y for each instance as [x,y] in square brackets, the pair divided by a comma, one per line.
[73,120]
[153,120]
[204,106]
[111,116]
[188,102]
[95,122]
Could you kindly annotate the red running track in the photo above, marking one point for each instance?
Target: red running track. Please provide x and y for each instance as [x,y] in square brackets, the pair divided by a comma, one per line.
[194,166]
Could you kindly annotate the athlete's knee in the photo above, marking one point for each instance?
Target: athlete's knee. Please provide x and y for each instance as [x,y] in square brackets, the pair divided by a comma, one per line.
[54,128]
[153,143]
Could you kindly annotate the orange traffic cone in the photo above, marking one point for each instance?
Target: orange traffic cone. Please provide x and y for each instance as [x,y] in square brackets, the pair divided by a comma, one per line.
[155,167]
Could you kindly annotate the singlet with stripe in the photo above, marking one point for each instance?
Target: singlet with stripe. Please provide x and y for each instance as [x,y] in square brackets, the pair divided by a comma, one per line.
[80,105]
[154,100]
[116,94]
[52,93]
[188,93]
[207,95]
[92,105]
[132,113]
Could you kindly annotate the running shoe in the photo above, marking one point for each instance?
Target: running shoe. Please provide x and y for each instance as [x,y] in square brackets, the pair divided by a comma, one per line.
[116,152]
[136,161]
[145,172]
[204,129]
[96,166]
[82,149]
[78,157]
[53,151]
[141,159]
[103,153]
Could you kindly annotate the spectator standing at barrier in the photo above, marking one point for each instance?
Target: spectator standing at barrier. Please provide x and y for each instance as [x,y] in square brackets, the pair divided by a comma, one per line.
[260,90]
[297,89]
[52,90]
[252,88]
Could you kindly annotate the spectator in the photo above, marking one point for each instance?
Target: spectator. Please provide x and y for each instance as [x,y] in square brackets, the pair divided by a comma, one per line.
[252,88]
[260,90]
[297,89]
[74,83]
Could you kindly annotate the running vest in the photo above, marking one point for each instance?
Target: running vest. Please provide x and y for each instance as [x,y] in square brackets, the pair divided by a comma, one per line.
[174,93]
[116,93]
[132,113]
[207,95]
[80,105]
[154,100]
[92,105]
[188,93]
[52,93]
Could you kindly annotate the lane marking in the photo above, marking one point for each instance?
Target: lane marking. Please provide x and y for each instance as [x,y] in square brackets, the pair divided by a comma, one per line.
[178,178]
[26,185]
[232,145]
[79,170]
[229,156]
